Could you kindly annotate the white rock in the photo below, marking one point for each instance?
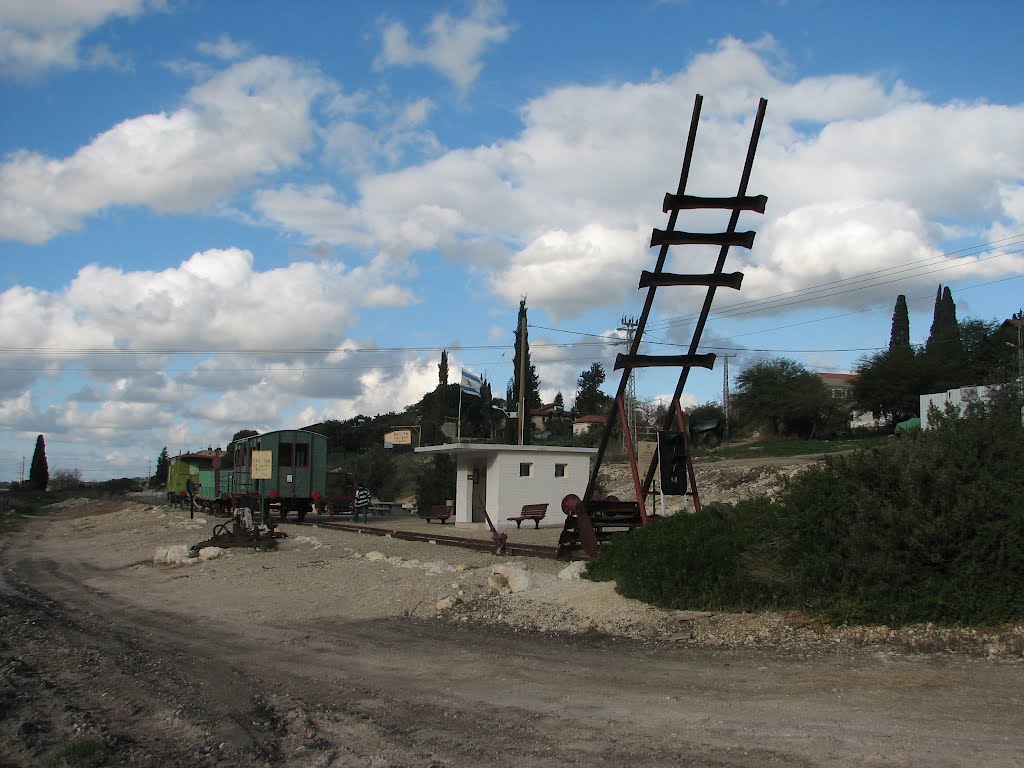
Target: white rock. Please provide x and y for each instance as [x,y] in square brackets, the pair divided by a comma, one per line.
[445,603]
[372,556]
[211,553]
[175,554]
[515,574]
[573,570]
[497,581]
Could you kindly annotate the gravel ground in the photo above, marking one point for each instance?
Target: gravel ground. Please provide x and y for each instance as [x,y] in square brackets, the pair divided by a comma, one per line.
[349,649]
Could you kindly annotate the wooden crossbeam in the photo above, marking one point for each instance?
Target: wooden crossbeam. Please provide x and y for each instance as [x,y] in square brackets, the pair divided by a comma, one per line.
[720,279]
[690,202]
[673,237]
[665,361]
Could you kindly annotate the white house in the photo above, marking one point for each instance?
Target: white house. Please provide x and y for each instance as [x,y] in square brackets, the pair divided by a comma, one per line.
[502,478]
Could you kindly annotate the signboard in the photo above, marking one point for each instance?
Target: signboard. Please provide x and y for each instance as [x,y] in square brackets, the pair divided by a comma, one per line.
[646,450]
[262,464]
[399,437]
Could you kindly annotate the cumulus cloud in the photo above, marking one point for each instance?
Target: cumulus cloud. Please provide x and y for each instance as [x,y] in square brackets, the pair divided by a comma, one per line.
[250,119]
[38,37]
[453,46]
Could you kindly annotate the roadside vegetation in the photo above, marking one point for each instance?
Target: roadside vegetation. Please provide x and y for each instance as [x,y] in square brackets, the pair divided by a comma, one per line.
[928,527]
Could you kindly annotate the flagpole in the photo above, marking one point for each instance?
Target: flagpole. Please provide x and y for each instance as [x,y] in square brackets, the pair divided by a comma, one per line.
[458,432]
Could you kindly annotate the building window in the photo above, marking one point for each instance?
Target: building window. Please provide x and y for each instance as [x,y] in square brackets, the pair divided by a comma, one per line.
[559,470]
[284,455]
[525,469]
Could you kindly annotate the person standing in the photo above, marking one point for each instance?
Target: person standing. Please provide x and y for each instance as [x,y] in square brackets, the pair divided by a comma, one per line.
[361,504]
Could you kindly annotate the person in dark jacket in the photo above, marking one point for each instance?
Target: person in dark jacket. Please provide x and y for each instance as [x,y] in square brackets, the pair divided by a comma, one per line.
[361,504]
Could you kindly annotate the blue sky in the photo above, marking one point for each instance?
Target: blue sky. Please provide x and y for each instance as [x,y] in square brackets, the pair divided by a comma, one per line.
[227,215]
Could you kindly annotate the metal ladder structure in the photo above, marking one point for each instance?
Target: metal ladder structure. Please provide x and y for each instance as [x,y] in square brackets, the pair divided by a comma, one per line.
[592,520]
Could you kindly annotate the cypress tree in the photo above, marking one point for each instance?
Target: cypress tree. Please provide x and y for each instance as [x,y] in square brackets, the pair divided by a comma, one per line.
[899,336]
[532,393]
[39,472]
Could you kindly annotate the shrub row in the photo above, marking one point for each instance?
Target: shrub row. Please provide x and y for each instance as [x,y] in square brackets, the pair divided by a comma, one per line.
[927,528]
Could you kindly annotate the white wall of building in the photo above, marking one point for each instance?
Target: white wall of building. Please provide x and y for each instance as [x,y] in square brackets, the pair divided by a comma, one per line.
[506,489]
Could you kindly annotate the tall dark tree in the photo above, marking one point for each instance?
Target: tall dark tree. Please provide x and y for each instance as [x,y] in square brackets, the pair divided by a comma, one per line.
[39,471]
[559,401]
[163,468]
[945,360]
[590,400]
[440,400]
[244,433]
[899,336]
[531,380]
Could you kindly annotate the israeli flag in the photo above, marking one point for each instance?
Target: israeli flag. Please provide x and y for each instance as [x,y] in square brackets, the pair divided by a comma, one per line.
[471,383]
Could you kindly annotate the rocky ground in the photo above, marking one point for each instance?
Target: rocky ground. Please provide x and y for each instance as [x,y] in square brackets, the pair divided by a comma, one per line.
[344,649]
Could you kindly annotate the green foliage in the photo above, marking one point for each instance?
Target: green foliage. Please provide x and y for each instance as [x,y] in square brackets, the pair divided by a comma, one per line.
[435,481]
[929,527]
[590,400]
[376,469]
[39,471]
[783,396]
[163,468]
[889,384]
[688,561]
[899,336]
[79,753]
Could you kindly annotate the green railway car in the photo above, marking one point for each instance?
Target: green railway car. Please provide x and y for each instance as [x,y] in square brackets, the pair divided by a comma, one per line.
[286,470]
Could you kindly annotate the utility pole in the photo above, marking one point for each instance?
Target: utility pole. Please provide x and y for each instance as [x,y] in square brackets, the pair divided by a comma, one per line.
[22,470]
[725,395]
[628,325]
[522,377]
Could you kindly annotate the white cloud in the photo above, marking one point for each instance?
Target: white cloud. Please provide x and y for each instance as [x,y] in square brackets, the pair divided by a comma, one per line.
[36,37]
[251,119]
[224,48]
[453,46]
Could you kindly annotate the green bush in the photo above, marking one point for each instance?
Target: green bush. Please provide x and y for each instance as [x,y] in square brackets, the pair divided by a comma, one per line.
[929,527]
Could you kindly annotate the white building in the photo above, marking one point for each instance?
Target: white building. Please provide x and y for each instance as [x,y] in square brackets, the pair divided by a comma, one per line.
[502,478]
[958,398]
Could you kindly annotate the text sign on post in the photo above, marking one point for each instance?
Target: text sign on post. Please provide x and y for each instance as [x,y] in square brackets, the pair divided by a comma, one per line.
[262,463]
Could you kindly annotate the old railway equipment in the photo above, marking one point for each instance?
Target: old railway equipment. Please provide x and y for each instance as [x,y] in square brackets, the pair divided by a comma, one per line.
[240,531]
[592,521]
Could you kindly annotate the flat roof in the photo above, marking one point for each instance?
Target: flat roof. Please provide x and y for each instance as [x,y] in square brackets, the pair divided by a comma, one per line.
[501,448]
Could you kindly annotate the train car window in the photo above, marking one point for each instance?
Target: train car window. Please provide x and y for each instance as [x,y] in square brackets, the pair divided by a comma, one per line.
[302,454]
[284,455]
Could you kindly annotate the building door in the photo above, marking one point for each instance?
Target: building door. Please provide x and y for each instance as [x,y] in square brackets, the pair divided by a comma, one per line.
[479,492]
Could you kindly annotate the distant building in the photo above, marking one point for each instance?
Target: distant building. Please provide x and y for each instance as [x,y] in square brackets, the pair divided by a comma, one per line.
[840,386]
[582,424]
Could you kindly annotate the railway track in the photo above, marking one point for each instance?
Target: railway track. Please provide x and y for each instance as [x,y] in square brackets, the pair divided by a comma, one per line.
[480,545]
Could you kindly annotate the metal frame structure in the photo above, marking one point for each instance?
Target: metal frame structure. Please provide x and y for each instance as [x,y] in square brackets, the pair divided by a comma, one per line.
[651,280]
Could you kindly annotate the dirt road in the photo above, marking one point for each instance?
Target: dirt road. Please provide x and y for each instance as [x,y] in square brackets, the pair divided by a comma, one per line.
[231,663]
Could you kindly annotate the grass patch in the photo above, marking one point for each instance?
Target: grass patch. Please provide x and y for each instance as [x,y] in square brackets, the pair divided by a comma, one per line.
[786,448]
[79,753]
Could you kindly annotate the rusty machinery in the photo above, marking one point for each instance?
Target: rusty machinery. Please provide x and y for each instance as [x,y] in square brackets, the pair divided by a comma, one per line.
[594,519]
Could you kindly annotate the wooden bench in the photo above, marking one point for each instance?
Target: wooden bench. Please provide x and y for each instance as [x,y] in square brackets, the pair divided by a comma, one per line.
[441,513]
[535,512]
